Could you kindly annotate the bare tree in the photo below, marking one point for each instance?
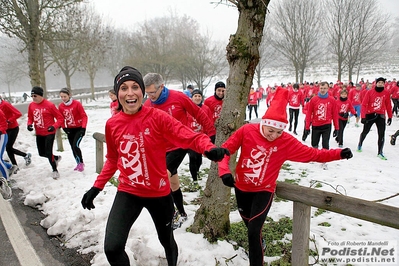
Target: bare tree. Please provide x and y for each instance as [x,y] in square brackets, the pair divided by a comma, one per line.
[93,44]
[63,42]
[28,20]
[12,64]
[296,33]
[204,61]
[212,218]
[357,31]
[266,52]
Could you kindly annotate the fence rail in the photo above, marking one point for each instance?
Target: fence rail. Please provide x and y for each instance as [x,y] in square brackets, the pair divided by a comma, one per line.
[303,199]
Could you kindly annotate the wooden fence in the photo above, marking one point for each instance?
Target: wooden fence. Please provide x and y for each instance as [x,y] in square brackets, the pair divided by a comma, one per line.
[303,199]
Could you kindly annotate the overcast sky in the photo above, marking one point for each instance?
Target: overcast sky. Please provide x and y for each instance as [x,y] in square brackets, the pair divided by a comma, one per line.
[220,20]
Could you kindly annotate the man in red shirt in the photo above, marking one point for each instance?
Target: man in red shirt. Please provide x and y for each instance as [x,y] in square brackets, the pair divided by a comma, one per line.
[322,110]
[215,102]
[178,105]
[375,105]
[45,117]
[264,147]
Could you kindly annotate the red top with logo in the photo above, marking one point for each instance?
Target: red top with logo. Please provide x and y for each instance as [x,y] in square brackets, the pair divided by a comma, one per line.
[136,146]
[43,115]
[260,160]
[74,114]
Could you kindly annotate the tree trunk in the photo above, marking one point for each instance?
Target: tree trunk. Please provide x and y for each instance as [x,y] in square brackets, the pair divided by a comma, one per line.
[212,218]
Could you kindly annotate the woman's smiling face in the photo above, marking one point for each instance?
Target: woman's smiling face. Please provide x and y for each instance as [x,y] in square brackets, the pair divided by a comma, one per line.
[130,96]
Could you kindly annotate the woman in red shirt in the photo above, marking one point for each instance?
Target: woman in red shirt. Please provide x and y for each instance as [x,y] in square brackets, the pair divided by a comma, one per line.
[264,147]
[137,138]
[74,126]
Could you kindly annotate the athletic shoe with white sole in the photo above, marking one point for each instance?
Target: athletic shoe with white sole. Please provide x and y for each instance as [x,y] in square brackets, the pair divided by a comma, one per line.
[5,189]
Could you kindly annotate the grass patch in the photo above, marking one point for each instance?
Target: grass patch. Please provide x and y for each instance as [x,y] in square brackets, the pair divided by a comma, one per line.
[319,212]
[326,224]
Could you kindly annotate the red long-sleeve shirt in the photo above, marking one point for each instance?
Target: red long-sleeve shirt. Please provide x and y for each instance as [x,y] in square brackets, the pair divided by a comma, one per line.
[3,122]
[137,145]
[215,105]
[11,113]
[193,124]
[74,114]
[321,111]
[376,102]
[43,115]
[260,160]
[295,99]
[344,107]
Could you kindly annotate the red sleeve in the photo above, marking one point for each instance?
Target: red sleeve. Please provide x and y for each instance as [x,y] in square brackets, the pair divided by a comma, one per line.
[83,114]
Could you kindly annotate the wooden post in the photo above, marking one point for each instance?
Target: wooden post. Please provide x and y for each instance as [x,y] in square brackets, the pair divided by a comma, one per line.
[300,234]
[100,140]
[58,136]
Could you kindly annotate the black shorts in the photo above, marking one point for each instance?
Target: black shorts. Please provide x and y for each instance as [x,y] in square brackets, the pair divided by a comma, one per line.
[174,159]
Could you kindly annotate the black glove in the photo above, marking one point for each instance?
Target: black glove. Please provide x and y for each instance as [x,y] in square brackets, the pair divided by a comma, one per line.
[88,197]
[346,153]
[82,132]
[30,127]
[228,180]
[50,129]
[216,154]
[389,121]
[335,133]
[67,130]
[213,139]
[307,132]
[363,121]
[355,115]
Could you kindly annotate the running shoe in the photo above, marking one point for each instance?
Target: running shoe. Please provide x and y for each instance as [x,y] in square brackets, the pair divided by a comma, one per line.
[5,189]
[28,159]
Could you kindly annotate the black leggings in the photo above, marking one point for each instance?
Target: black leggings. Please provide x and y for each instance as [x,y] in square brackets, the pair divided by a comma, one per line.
[124,212]
[294,113]
[11,151]
[45,148]
[340,137]
[379,121]
[74,139]
[255,107]
[195,163]
[324,132]
[253,208]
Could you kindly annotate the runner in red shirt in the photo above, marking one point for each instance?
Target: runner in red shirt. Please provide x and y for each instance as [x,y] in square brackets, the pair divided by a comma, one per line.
[375,105]
[264,147]
[136,140]
[178,105]
[46,119]
[74,126]
[215,102]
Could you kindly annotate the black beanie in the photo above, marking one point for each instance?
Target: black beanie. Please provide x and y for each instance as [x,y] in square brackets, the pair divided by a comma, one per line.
[37,90]
[220,84]
[196,92]
[128,73]
[380,79]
